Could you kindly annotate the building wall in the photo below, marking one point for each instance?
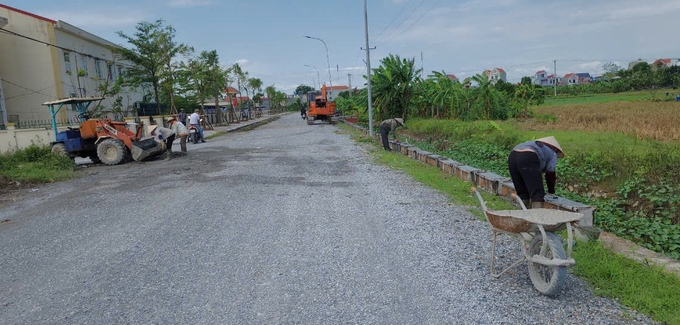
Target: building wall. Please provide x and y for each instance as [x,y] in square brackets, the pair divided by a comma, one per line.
[26,66]
[34,73]
[94,55]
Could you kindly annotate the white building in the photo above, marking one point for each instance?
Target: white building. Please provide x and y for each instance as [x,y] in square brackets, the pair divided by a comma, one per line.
[43,60]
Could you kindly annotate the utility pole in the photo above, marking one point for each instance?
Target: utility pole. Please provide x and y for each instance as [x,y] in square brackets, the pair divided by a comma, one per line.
[555,75]
[349,79]
[368,74]
[421,65]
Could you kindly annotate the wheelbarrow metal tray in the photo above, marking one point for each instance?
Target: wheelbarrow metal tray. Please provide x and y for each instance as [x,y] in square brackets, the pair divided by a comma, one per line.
[546,217]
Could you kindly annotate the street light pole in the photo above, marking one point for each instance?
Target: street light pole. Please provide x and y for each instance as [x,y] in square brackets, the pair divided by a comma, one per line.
[328,61]
[318,78]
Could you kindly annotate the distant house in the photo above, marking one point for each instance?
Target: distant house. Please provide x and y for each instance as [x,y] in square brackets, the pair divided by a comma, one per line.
[334,91]
[576,79]
[453,77]
[665,63]
[542,78]
[495,75]
[631,64]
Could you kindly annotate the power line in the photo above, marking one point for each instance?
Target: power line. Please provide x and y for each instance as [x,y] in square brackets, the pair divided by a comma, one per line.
[59,47]
[31,90]
[393,19]
[419,18]
[407,18]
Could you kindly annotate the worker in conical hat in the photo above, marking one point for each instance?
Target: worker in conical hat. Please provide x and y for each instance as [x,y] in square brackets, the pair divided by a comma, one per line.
[527,163]
[390,126]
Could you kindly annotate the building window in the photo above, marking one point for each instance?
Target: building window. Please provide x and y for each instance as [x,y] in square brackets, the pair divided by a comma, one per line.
[121,71]
[109,69]
[98,68]
[67,62]
[83,64]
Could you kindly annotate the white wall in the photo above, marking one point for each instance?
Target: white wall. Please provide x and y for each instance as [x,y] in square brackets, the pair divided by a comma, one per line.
[70,37]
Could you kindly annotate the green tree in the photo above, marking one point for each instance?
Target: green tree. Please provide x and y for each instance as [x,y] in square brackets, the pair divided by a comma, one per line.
[303,89]
[147,55]
[393,85]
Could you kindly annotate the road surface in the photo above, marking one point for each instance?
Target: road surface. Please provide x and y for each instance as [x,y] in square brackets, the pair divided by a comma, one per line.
[284,224]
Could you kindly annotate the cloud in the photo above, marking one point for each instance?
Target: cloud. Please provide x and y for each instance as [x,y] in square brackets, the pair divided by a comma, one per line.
[243,63]
[105,18]
[189,3]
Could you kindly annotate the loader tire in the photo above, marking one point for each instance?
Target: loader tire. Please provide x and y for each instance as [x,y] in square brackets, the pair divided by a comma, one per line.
[111,152]
[59,149]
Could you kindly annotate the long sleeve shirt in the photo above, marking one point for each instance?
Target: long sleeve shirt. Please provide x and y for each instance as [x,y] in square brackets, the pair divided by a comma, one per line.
[391,124]
[547,159]
[179,128]
[164,132]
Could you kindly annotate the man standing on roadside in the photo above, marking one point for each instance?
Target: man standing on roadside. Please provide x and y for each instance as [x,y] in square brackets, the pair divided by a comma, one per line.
[182,117]
[387,126]
[180,130]
[195,119]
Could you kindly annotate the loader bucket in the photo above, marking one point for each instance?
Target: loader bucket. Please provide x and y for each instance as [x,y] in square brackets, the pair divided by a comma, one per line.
[145,148]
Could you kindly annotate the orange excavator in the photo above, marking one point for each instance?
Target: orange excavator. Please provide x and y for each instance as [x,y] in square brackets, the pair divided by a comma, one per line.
[320,109]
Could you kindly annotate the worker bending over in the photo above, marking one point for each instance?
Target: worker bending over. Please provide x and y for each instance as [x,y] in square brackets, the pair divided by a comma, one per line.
[527,162]
[387,126]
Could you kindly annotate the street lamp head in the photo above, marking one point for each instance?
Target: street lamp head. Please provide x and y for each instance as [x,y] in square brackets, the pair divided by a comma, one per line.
[307,36]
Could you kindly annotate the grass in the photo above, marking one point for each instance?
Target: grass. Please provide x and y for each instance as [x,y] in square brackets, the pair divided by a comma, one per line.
[457,190]
[35,164]
[646,289]
[637,120]
[605,98]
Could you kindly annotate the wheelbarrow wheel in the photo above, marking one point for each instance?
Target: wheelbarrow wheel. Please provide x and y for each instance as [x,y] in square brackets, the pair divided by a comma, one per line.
[548,280]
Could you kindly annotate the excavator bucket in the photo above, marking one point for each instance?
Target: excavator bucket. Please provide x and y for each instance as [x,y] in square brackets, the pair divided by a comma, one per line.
[145,148]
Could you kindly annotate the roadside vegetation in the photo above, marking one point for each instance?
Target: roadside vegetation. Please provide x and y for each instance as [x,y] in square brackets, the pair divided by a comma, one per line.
[620,134]
[35,164]
[645,288]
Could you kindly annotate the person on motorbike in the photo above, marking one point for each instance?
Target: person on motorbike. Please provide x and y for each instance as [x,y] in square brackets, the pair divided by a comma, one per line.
[194,120]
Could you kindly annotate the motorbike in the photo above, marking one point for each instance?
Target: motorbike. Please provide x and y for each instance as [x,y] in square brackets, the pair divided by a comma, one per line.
[194,134]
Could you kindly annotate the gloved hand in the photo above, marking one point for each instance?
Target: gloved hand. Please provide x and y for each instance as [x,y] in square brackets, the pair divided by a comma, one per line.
[160,137]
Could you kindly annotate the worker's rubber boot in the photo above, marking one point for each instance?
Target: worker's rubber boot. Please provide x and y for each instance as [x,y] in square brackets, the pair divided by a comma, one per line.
[536,205]
[168,155]
[527,203]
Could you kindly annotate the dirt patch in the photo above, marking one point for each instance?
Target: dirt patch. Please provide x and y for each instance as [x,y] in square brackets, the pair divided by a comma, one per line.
[10,190]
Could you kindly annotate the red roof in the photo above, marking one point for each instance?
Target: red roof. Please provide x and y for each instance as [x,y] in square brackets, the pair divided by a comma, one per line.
[452,76]
[541,71]
[338,88]
[568,75]
[231,90]
[243,98]
[662,61]
[501,70]
[27,13]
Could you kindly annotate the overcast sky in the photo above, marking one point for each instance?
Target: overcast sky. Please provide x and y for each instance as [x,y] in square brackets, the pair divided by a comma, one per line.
[459,37]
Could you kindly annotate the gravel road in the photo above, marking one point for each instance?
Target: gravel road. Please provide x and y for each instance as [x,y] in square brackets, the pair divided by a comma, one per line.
[283,224]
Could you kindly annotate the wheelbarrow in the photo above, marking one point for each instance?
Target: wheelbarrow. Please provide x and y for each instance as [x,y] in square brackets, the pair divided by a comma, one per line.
[545,255]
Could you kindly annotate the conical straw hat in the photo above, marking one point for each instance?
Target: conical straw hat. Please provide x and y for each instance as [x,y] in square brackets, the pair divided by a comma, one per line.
[400,121]
[552,142]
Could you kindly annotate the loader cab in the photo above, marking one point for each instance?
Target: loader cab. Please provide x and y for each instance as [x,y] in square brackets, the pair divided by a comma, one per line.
[320,102]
